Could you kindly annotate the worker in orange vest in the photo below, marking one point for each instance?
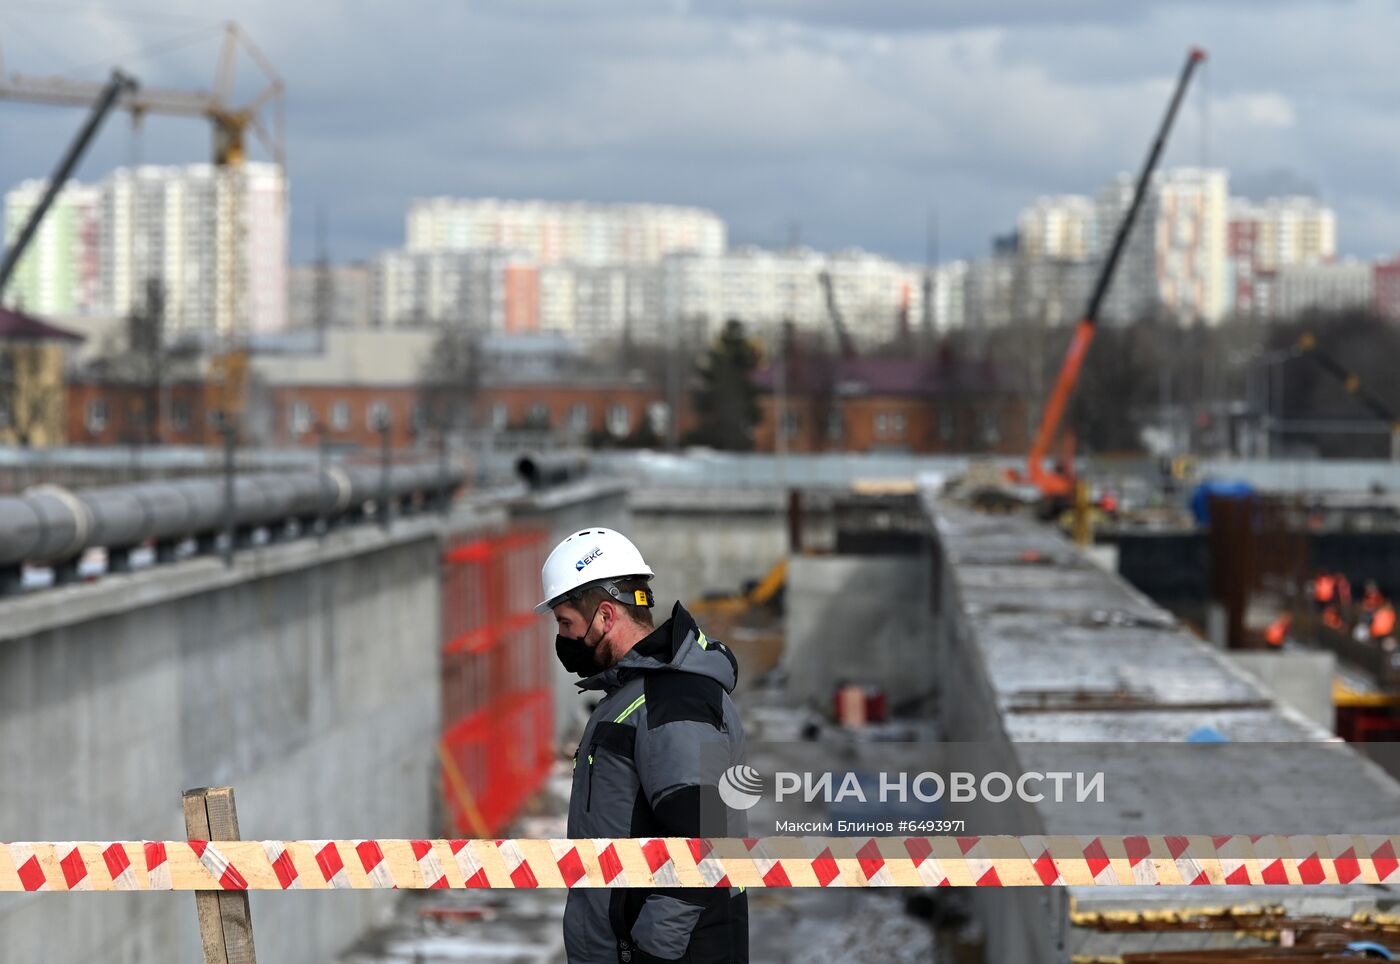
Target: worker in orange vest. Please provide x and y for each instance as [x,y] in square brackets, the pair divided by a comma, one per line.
[1372,599]
[1325,588]
[1331,618]
[1383,622]
[1343,590]
[1278,630]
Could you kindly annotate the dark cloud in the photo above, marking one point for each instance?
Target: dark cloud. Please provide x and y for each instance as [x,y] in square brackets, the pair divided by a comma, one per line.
[1276,182]
[852,119]
[885,15]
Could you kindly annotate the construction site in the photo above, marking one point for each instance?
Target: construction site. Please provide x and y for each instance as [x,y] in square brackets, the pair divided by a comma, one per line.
[1181,664]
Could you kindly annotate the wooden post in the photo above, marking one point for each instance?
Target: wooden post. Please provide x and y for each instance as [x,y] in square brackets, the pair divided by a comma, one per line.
[225,926]
[1083,524]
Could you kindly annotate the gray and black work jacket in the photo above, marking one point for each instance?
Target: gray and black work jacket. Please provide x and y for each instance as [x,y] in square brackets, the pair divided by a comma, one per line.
[648,766]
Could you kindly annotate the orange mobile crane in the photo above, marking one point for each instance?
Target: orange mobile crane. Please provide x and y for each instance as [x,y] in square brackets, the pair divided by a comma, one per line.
[1057,485]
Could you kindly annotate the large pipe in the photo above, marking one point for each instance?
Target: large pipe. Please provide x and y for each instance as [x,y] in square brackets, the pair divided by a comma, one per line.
[540,470]
[50,525]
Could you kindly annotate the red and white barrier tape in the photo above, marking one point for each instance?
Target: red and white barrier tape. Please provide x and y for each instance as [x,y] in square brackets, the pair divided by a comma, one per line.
[693,862]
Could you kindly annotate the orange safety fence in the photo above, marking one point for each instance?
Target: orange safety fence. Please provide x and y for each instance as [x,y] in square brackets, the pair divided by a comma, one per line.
[497,706]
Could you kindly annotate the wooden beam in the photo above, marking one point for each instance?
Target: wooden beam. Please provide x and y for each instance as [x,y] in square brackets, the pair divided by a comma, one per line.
[225,924]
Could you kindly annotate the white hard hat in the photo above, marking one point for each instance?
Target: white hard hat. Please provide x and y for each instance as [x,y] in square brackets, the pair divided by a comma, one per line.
[586,557]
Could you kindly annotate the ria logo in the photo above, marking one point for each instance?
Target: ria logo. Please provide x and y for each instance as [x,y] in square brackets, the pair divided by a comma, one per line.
[578,566]
[740,787]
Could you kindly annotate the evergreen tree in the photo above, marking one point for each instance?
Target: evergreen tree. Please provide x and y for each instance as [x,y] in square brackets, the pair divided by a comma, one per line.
[726,401]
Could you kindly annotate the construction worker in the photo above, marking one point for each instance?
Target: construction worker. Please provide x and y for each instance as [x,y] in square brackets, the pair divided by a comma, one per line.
[1383,622]
[652,752]
[1332,619]
[1325,589]
[1371,599]
[1277,631]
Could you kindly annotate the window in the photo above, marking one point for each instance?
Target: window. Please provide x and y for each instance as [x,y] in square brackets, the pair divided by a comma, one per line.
[376,415]
[418,417]
[619,420]
[792,424]
[882,425]
[340,416]
[299,419]
[579,417]
[897,424]
[180,417]
[97,416]
[945,426]
[659,414]
[500,415]
[835,426]
[991,430]
[538,416]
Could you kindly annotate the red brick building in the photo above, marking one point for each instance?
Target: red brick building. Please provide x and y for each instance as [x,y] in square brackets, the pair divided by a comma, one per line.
[1388,289]
[893,404]
[109,412]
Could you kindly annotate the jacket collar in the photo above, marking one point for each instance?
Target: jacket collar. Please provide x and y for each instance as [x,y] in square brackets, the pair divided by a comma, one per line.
[677,645]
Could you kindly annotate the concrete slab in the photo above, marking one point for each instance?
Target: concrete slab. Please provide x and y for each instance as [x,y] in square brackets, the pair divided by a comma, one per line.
[1061,664]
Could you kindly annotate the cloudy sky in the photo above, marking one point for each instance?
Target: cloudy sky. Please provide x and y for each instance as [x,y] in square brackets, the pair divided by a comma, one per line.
[847,121]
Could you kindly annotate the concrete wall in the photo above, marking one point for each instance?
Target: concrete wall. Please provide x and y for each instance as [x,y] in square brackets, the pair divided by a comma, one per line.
[858,619]
[714,540]
[1302,680]
[306,676]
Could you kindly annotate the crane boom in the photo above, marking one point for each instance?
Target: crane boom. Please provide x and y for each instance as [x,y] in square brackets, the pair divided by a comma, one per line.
[1379,407]
[63,92]
[843,336]
[231,122]
[1059,484]
[107,96]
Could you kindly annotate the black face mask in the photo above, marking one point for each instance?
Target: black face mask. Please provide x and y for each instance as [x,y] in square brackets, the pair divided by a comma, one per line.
[576,655]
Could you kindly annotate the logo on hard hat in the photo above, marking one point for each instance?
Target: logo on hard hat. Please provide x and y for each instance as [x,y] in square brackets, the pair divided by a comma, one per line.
[740,787]
[587,559]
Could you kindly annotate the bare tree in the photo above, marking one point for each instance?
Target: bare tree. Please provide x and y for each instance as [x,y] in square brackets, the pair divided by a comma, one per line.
[146,350]
[450,381]
[31,397]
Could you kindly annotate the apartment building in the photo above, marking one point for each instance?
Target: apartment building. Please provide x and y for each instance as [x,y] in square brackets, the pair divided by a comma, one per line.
[552,232]
[214,240]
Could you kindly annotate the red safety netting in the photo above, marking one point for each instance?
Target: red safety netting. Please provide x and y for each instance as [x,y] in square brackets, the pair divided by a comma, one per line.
[497,707]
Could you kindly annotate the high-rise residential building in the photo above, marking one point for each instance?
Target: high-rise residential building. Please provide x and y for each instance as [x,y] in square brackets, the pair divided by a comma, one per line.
[1132,294]
[481,289]
[1191,243]
[1264,237]
[508,291]
[1348,285]
[1288,230]
[554,232]
[948,295]
[337,296]
[1174,261]
[876,297]
[990,291]
[213,240]
[1066,226]
[60,273]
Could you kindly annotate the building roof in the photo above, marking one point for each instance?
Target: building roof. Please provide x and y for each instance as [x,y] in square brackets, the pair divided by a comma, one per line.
[17,326]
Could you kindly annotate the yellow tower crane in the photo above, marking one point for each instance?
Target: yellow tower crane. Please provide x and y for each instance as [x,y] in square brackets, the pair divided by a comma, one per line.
[231,123]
